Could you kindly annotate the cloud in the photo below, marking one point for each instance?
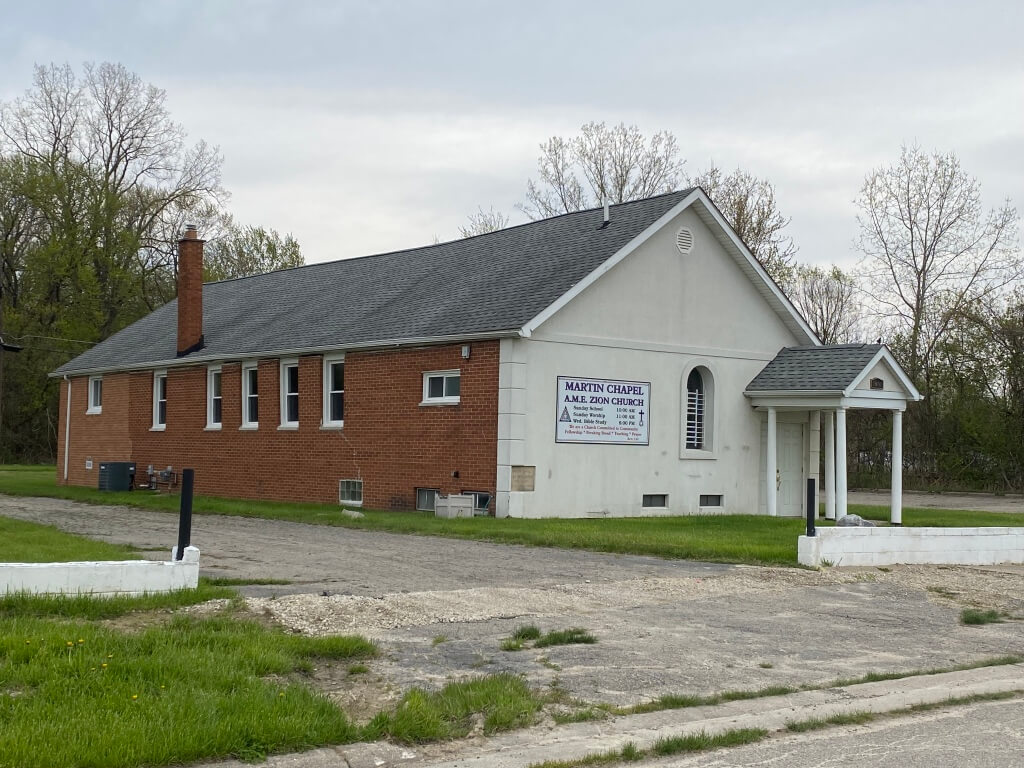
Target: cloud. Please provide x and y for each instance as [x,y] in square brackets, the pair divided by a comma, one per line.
[362,127]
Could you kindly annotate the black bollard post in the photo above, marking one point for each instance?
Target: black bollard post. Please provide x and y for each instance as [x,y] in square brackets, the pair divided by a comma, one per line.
[185,515]
[812,511]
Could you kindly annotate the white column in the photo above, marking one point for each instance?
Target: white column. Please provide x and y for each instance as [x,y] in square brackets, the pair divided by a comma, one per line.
[896,514]
[840,463]
[830,466]
[770,467]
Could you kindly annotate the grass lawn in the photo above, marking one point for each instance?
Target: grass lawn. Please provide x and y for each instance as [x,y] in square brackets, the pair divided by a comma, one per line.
[752,539]
[22,542]
[79,693]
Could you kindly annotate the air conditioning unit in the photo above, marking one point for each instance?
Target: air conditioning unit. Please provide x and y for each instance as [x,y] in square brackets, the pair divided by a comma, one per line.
[117,475]
[454,505]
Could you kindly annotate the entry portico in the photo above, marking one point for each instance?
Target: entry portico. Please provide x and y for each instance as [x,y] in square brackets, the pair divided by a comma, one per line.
[830,380]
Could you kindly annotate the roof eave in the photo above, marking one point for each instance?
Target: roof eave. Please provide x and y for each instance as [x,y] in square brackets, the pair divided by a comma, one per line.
[793,393]
[181,362]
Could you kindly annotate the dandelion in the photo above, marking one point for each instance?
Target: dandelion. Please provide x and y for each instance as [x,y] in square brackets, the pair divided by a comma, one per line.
[110,655]
[135,696]
[281,694]
[28,642]
[70,644]
[104,665]
[80,641]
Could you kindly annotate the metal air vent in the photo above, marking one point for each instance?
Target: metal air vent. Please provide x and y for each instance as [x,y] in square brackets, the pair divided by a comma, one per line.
[684,240]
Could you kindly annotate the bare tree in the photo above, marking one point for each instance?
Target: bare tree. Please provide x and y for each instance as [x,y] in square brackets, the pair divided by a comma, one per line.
[616,164]
[828,300]
[930,250]
[748,203]
[246,250]
[482,222]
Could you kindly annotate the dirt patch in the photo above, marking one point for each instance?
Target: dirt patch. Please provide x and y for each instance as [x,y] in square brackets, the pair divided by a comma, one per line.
[360,696]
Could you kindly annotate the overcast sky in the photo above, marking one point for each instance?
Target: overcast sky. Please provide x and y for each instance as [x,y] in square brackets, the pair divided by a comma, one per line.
[362,127]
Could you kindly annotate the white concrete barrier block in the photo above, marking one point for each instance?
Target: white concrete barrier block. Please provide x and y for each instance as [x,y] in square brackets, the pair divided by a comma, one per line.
[889,546]
[124,577]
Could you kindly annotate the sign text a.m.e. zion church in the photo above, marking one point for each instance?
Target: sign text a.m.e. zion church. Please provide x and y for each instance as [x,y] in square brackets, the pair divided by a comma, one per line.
[603,411]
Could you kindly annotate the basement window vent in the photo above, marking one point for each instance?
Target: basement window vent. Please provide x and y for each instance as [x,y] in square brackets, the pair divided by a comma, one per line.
[426,499]
[711,500]
[877,384]
[684,240]
[655,500]
[350,491]
[481,501]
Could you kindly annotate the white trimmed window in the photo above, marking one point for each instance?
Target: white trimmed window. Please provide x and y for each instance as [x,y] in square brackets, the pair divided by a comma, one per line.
[214,400]
[159,400]
[95,395]
[441,388]
[695,411]
[334,391]
[350,492]
[698,422]
[250,396]
[289,394]
[426,499]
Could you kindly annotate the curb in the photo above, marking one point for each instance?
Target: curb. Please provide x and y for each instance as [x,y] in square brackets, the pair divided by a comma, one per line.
[518,749]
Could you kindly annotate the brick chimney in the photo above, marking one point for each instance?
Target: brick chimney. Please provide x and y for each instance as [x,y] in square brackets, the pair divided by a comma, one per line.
[190,292]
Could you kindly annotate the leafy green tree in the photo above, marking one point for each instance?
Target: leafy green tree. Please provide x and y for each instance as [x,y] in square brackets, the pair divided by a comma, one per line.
[96,183]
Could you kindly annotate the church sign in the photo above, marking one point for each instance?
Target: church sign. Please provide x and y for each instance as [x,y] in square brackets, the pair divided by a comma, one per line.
[603,411]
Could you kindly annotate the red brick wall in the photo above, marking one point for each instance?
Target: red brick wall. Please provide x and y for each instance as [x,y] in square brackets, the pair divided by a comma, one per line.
[389,440]
[94,436]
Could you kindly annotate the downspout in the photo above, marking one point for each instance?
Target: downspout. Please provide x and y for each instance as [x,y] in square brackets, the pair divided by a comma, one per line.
[67,428]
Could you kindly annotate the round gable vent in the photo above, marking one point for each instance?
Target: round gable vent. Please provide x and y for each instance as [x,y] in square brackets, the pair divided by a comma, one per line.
[684,240]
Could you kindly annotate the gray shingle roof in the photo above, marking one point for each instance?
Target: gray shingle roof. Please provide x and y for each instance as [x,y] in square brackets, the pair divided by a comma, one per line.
[489,283]
[814,369]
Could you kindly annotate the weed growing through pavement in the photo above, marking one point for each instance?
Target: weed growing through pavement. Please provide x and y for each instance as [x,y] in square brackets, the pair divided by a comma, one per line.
[530,633]
[976,616]
[504,701]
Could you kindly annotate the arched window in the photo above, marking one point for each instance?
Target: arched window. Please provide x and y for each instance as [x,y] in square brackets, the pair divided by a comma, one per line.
[695,407]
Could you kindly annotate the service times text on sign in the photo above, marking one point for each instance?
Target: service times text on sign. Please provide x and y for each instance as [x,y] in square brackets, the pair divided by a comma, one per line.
[603,411]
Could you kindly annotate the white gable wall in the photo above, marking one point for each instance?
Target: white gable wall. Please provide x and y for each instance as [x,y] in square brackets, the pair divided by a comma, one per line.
[651,318]
[882,370]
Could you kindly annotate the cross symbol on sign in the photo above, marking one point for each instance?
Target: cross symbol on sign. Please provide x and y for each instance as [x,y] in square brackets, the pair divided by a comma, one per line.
[641,415]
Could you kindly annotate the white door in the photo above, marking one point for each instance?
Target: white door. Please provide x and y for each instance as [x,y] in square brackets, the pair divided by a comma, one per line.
[790,469]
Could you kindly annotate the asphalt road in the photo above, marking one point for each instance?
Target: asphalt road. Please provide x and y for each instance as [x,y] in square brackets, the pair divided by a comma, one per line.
[984,735]
[980,502]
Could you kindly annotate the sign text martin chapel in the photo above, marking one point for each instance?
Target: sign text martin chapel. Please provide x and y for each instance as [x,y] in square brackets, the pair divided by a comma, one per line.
[603,411]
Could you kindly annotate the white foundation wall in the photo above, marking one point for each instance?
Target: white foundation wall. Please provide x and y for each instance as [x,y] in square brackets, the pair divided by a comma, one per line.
[105,578]
[651,318]
[912,546]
